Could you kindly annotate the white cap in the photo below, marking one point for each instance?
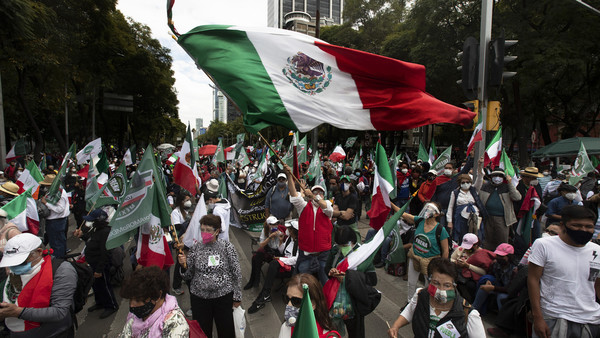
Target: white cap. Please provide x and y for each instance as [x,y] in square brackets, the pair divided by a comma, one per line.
[17,249]
[272,220]
[281,175]
[3,213]
[292,223]
[212,185]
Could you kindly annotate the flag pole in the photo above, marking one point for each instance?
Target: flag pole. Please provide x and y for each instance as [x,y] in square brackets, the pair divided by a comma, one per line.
[279,159]
[178,244]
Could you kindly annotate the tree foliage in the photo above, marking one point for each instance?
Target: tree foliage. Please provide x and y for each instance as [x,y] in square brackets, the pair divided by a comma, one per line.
[57,52]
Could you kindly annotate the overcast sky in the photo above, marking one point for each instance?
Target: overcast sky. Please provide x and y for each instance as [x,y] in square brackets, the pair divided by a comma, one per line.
[193,91]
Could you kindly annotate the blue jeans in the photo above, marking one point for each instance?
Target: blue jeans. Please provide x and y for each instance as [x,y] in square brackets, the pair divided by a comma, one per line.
[312,264]
[55,230]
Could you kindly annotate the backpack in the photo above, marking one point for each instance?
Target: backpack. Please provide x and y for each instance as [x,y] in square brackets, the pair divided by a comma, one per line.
[117,274]
[85,279]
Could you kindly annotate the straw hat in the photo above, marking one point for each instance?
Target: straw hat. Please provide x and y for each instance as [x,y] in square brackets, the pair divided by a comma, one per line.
[531,172]
[10,188]
[48,179]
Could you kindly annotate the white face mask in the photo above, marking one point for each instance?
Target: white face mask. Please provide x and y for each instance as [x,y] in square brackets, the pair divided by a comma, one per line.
[534,182]
[448,172]
[187,204]
[570,196]
[404,171]
[465,186]
[497,180]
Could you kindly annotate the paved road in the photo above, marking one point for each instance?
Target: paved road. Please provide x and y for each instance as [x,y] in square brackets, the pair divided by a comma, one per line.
[266,322]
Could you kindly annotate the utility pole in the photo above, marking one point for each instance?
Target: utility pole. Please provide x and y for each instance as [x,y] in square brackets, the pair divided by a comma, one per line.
[66,118]
[485,37]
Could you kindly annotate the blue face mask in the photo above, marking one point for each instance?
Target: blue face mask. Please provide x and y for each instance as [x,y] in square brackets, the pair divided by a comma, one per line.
[291,315]
[21,269]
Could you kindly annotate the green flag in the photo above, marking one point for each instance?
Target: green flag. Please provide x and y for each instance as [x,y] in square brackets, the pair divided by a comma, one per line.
[242,158]
[595,161]
[393,162]
[102,164]
[288,158]
[396,253]
[315,166]
[92,192]
[279,145]
[35,173]
[432,152]
[306,324]
[302,150]
[581,167]
[219,154]
[43,163]
[144,203]
[350,141]
[423,156]
[239,144]
[113,192]
[442,160]
[55,190]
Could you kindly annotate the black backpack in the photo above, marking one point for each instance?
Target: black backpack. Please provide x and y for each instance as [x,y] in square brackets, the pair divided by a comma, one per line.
[85,279]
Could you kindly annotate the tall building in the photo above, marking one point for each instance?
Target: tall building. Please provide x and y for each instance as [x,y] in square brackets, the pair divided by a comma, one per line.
[300,15]
[223,109]
[199,123]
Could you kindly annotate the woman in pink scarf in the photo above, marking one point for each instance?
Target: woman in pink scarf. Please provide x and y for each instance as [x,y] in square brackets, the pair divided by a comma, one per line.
[152,312]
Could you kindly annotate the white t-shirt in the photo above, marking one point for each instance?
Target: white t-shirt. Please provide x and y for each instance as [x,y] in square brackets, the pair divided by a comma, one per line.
[177,217]
[567,283]
[475,327]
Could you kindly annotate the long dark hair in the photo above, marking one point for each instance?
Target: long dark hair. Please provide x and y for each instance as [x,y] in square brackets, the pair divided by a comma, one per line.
[179,202]
[315,290]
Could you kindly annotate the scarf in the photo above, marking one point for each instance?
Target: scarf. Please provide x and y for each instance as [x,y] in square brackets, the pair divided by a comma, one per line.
[37,287]
[153,325]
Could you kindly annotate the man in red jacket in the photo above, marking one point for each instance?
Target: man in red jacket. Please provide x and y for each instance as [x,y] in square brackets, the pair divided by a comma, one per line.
[314,228]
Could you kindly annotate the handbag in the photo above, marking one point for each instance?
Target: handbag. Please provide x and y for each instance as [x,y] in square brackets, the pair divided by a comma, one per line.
[342,304]
[239,321]
[195,329]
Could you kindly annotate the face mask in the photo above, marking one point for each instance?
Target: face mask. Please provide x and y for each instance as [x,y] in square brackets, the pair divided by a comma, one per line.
[345,186]
[570,196]
[534,182]
[357,174]
[448,172]
[187,204]
[546,173]
[497,180]
[281,185]
[207,237]
[142,311]
[580,237]
[345,249]
[404,171]
[210,207]
[253,170]
[89,224]
[465,186]
[291,314]
[21,269]
[442,296]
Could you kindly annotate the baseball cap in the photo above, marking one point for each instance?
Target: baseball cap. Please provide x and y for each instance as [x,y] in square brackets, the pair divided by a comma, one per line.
[96,215]
[345,177]
[272,220]
[316,186]
[469,240]
[17,249]
[292,223]
[504,249]
[281,175]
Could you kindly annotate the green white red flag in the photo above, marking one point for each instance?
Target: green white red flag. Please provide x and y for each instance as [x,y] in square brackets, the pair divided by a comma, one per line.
[508,168]
[493,152]
[55,190]
[30,178]
[90,151]
[383,185]
[306,323]
[282,77]
[338,154]
[18,149]
[22,211]
[476,137]
[185,173]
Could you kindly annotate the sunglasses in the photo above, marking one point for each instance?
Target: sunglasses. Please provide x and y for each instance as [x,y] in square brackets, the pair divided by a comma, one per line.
[296,302]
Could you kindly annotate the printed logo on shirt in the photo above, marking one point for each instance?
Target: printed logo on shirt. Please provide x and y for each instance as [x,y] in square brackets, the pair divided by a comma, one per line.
[448,329]
[214,260]
[422,243]
[594,267]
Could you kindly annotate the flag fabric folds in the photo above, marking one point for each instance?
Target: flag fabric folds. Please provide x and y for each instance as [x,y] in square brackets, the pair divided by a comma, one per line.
[476,137]
[382,187]
[493,152]
[55,190]
[22,211]
[18,149]
[306,323]
[423,155]
[130,156]
[581,167]
[432,152]
[30,178]
[350,141]
[281,77]
[192,234]
[508,168]
[185,173]
[90,151]
[338,154]
[442,160]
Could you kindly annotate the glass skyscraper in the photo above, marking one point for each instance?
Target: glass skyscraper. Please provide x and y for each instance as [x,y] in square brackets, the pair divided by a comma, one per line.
[279,12]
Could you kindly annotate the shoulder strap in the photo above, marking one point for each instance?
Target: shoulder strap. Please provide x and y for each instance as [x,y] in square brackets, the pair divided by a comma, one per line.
[438,234]
[467,308]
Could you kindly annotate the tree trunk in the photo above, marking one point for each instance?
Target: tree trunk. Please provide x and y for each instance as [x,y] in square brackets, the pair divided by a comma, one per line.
[39,140]
[544,131]
[522,130]
[57,133]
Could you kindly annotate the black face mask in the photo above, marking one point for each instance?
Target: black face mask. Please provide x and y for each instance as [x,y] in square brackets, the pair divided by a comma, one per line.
[142,311]
[580,237]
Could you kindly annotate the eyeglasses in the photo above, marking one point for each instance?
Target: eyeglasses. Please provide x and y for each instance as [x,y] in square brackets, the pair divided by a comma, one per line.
[296,301]
[445,286]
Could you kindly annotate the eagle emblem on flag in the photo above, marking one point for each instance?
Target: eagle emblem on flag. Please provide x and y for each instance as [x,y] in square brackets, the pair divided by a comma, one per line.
[307,74]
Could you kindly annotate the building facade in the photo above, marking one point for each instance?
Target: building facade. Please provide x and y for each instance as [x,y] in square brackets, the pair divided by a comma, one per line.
[300,15]
[223,109]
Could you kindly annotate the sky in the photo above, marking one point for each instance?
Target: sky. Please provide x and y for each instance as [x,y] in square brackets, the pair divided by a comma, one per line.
[193,90]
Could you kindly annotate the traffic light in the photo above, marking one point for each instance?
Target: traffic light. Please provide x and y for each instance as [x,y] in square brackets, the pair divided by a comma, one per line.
[493,116]
[469,67]
[474,107]
[497,49]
